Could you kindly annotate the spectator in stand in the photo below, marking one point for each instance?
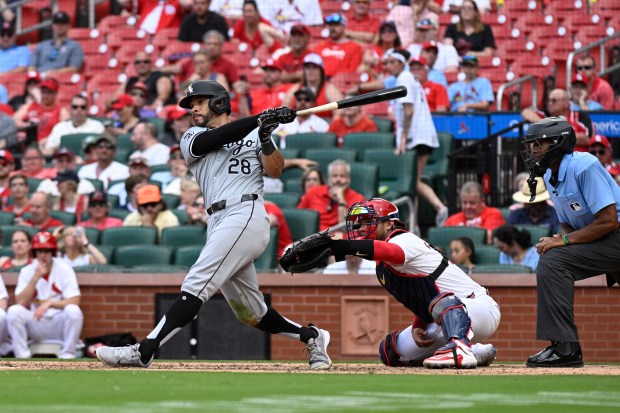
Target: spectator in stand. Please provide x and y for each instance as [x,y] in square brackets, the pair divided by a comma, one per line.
[332,201]
[292,61]
[13,58]
[475,93]
[140,94]
[443,58]
[515,246]
[64,159]
[600,89]
[8,131]
[32,92]
[152,211]
[601,148]
[200,21]
[60,54]
[45,115]
[20,246]
[406,15]
[387,39]
[436,94]
[257,31]
[470,36]
[19,191]
[231,9]
[33,164]
[190,191]
[284,14]
[197,213]
[352,120]
[178,169]
[474,210]
[312,176]
[7,165]
[79,122]
[138,165]
[363,27]
[454,6]
[339,55]
[132,184]
[304,99]
[277,220]
[40,207]
[88,149]
[126,117]
[98,209]
[106,169]
[537,212]
[463,253]
[155,15]
[75,249]
[352,264]
[314,78]
[178,121]
[579,99]
[203,70]
[69,200]
[558,104]
[271,95]
[144,139]
[47,299]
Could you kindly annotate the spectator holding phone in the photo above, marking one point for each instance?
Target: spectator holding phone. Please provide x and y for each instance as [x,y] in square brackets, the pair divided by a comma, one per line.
[76,250]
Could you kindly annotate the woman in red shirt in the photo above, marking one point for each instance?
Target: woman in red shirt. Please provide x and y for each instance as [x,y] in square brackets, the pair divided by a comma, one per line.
[256,31]
[20,245]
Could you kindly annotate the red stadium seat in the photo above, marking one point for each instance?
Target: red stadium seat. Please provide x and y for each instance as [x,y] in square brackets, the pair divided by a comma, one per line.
[563,9]
[126,54]
[165,37]
[83,33]
[110,23]
[589,34]
[92,47]
[530,22]
[575,22]
[122,36]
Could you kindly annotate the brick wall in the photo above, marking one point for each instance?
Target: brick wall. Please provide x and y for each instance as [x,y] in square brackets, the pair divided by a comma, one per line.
[126,302]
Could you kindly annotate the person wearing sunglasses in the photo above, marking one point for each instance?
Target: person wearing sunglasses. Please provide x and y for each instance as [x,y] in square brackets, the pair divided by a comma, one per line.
[601,148]
[126,116]
[600,90]
[98,209]
[579,99]
[140,94]
[79,122]
[339,54]
[60,54]
[152,211]
[304,99]
[13,58]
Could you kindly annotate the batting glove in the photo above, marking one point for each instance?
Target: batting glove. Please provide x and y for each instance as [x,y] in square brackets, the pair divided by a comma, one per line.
[280,115]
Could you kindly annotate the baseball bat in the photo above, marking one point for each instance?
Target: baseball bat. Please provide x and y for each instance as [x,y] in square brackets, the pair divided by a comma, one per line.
[365,99]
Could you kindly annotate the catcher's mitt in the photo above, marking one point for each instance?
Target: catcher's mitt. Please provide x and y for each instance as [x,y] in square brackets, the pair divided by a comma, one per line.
[309,253]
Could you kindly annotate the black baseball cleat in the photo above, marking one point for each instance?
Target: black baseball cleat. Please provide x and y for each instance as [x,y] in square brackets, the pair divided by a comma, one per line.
[558,354]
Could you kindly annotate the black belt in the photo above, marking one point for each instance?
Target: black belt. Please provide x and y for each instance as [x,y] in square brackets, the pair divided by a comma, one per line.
[218,206]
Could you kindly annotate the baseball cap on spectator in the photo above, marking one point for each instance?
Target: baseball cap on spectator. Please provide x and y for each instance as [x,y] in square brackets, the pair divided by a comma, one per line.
[426,24]
[272,64]
[7,28]
[148,194]
[4,154]
[336,18]
[601,140]
[386,24]
[97,197]
[305,91]
[122,101]
[49,83]
[580,78]
[469,60]
[420,60]
[60,17]
[300,28]
[88,143]
[138,160]
[174,148]
[176,113]
[67,175]
[431,44]
[64,152]
[106,138]
[313,58]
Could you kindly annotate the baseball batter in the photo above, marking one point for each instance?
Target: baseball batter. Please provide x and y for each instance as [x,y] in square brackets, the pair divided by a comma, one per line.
[228,160]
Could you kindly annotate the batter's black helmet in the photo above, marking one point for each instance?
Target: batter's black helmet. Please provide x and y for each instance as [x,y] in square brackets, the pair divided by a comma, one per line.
[555,129]
[219,98]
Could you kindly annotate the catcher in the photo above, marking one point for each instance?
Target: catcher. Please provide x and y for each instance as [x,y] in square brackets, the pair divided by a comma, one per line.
[449,308]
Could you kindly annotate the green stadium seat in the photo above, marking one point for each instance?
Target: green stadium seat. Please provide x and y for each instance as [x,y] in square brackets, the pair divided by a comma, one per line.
[183,235]
[132,255]
[92,234]
[311,140]
[118,213]
[302,222]
[8,230]
[74,141]
[290,153]
[325,156]
[268,260]
[7,218]
[121,236]
[67,218]
[33,184]
[361,141]
[6,252]
[172,201]
[181,215]
[435,175]
[501,268]
[187,256]
[160,168]
[441,236]
[107,251]
[397,173]
[365,179]
[160,269]
[486,254]
[103,268]
[383,124]
[505,212]
[536,232]
[97,183]
[283,199]
[292,185]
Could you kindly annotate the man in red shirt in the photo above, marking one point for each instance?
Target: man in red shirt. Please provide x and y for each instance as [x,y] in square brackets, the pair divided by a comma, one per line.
[600,90]
[351,121]
[292,62]
[332,201]
[601,148]
[436,94]
[98,209]
[339,54]
[40,207]
[157,14]
[362,27]
[475,212]
[7,165]
[33,164]
[269,96]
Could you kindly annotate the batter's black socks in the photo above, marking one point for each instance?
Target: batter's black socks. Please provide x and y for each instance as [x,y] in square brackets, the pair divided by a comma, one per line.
[307,333]
[273,322]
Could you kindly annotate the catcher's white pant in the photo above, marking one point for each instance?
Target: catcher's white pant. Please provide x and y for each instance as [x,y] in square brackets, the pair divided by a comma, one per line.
[484,314]
[65,325]
[5,344]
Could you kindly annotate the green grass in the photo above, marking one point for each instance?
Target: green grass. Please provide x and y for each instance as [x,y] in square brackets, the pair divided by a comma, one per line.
[143,391]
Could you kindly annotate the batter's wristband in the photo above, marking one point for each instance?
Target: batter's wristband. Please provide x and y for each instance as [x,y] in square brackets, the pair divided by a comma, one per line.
[565,239]
[268,147]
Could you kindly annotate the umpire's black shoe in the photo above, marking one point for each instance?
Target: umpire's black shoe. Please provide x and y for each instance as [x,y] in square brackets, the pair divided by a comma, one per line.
[558,354]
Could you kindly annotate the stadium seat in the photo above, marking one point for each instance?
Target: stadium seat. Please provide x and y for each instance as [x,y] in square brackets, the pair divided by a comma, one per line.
[441,236]
[365,179]
[67,218]
[324,156]
[118,213]
[132,255]
[367,140]
[98,184]
[107,251]
[383,124]
[501,268]
[8,230]
[111,22]
[183,235]
[181,215]
[160,269]
[290,153]
[486,254]
[119,236]
[283,199]
[536,231]
[268,260]
[74,141]
[311,140]
[33,184]
[92,234]
[187,256]
[103,268]
[7,218]
[172,201]
[397,173]
[302,222]
[6,252]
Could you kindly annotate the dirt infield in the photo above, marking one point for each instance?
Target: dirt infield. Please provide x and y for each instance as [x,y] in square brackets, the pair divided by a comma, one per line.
[338,368]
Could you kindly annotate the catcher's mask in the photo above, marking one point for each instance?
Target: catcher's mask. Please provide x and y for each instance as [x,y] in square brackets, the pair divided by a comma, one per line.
[363,217]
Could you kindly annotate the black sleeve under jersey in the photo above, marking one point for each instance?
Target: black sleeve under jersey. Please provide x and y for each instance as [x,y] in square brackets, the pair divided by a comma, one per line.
[212,139]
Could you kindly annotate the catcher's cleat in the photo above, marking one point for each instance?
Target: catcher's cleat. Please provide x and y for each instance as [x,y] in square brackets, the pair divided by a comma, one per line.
[128,356]
[459,356]
[558,354]
[317,347]
[484,353]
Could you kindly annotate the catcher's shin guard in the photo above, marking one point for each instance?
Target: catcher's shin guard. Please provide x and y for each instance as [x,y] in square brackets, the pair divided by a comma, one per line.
[387,351]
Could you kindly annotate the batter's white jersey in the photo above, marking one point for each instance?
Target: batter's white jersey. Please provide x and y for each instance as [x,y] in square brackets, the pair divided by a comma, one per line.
[3,292]
[422,130]
[5,344]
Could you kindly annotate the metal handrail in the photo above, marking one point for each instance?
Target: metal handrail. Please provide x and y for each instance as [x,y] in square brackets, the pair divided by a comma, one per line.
[520,81]
[602,64]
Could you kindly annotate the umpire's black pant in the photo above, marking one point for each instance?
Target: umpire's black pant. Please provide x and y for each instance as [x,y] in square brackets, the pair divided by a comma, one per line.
[557,271]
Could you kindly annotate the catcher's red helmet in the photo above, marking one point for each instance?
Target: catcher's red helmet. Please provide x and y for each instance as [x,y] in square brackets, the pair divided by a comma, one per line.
[44,241]
[363,217]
